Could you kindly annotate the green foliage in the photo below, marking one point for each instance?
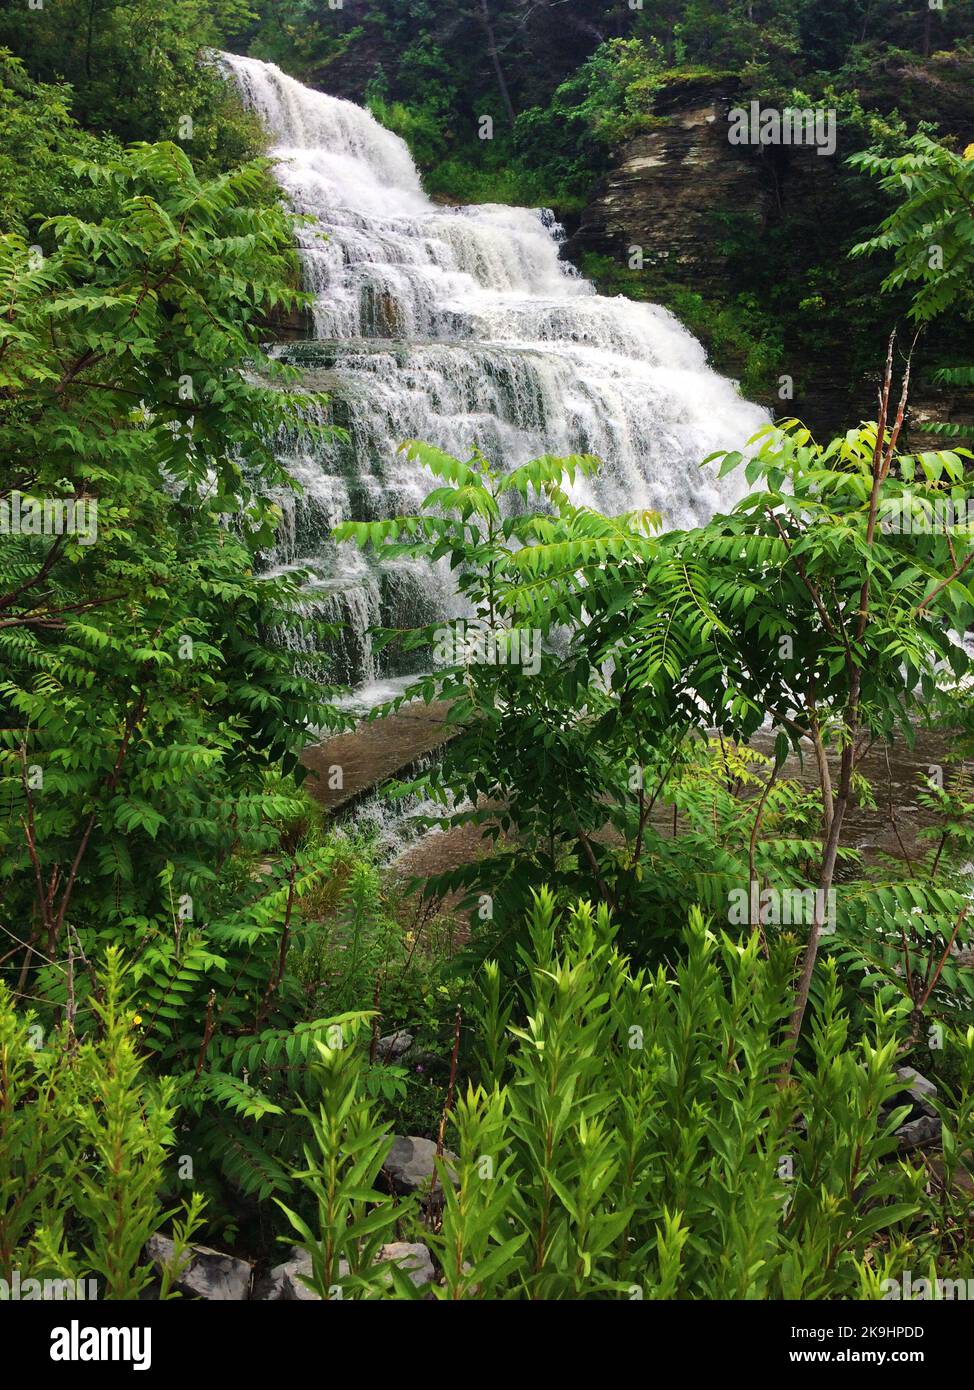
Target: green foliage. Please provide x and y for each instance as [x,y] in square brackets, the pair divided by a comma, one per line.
[931,231]
[39,144]
[151,719]
[608,100]
[149,709]
[134,70]
[634,1142]
[420,128]
[496,175]
[931,235]
[474,1243]
[646,642]
[349,1146]
[137,683]
[425,111]
[85,1140]
[299,35]
[905,929]
[235,1011]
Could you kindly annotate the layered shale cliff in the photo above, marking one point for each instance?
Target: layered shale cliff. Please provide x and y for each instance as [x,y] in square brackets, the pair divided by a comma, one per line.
[672,189]
[762,231]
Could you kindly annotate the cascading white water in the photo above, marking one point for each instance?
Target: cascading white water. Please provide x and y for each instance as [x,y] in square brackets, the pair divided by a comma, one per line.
[461,326]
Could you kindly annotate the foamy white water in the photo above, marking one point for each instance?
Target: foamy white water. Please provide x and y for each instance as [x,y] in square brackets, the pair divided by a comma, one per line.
[461,326]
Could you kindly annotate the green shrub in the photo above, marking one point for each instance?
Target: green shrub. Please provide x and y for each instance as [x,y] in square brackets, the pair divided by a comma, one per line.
[348,1146]
[151,723]
[85,1141]
[632,1138]
[648,645]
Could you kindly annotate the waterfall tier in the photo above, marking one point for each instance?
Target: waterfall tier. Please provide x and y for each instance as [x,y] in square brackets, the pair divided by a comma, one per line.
[461,326]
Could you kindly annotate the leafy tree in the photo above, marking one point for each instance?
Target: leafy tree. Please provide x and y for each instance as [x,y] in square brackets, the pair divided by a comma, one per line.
[931,230]
[931,236]
[40,141]
[606,101]
[811,607]
[135,70]
[151,715]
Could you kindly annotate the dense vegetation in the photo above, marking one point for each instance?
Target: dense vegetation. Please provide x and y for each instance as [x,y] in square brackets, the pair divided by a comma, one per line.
[660,1017]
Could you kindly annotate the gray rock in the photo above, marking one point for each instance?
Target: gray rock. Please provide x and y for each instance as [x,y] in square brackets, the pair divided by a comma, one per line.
[415,1259]
[393,1045]
[206,1273]
[284,1284]
[919,1088]
[925,1130]
[409,1166]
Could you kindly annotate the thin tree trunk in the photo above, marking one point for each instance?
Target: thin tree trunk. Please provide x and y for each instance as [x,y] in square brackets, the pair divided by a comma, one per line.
[495,59]
[882,461]
[821,898]
[90,36]
[824,775]
[752,847]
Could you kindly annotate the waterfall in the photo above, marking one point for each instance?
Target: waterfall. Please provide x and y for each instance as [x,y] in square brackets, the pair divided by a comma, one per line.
[461,325]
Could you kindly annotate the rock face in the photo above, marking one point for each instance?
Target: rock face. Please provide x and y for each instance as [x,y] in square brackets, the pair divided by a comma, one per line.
[409,1167]
[381,313]
[669,189]
[931,405]
[283,325]
[208,1274]
[683,193]
[694,207]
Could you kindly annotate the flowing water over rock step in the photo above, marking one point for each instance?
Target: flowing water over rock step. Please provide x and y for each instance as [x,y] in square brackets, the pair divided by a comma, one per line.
[460,326]
[353,764]
[378,751]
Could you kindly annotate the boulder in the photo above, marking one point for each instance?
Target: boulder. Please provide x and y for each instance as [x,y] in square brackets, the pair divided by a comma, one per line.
[919,1088]
[414,1257]
[393,1045]
[206,1273]
[409,1166]
[922,1125]
[284,1284]
[926,1129]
